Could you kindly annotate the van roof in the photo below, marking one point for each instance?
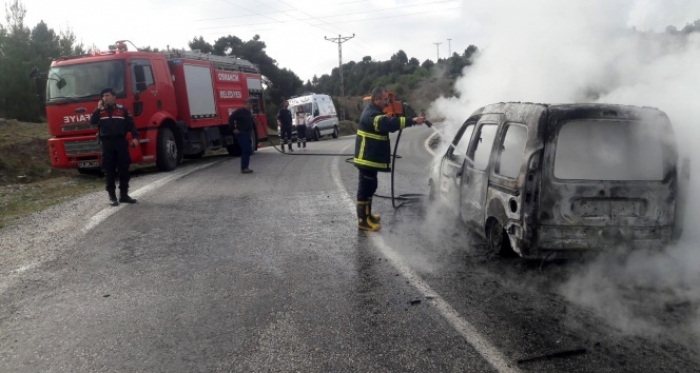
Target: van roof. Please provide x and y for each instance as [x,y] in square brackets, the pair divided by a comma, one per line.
[572,110]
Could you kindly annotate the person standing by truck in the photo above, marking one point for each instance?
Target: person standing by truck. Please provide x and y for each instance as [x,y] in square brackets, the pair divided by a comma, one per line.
[243,123]
[301,127]
[285,119]
[114,122]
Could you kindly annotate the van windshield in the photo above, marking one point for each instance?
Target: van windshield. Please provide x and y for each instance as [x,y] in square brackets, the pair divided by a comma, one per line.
[609,150]
[85,80]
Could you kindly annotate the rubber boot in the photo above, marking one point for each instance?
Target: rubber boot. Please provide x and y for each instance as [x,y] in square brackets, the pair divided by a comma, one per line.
[113,198]
[124,198]
[374,218]
[363,222]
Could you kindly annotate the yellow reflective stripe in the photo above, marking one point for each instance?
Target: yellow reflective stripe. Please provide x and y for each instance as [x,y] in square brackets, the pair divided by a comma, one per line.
[376,122]
[363,162]
[362,148]
[372,135]
[403,122]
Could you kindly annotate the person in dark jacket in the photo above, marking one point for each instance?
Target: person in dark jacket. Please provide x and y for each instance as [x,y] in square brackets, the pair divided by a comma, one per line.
[285,119]
[114,122]
[373,153]
[243,124]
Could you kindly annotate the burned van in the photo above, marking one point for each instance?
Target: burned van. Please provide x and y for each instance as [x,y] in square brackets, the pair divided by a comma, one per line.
[552,180]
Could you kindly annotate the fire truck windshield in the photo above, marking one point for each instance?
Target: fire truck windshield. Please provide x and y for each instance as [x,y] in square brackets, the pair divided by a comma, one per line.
[85,80]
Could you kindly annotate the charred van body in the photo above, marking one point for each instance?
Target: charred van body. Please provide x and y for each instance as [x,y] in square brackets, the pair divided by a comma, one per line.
[556,180]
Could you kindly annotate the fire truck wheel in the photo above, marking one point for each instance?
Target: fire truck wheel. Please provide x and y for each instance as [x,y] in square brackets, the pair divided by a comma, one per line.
[168,153]
[335,132]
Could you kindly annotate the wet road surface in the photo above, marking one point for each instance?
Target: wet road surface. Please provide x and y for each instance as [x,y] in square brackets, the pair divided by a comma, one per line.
[218,271]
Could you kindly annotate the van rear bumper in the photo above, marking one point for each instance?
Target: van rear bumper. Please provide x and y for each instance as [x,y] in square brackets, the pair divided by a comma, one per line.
[602,238]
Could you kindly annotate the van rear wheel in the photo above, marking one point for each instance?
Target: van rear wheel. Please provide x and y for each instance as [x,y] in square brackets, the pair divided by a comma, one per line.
[317,134]
[498,242]
[335,132]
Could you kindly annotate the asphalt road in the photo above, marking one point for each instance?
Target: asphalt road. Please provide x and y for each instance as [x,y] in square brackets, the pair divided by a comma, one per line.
[217,271]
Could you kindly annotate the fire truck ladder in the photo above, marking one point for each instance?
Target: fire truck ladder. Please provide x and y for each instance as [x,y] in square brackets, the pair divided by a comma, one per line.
[220,62]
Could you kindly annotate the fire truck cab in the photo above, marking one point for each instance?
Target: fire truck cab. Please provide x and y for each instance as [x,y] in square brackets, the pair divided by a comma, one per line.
[180,101]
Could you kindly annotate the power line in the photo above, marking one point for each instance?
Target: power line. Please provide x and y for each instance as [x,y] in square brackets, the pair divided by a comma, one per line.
[356,20]
[340,40]
[320,20]
[329,16]
[449,48]
[397,16]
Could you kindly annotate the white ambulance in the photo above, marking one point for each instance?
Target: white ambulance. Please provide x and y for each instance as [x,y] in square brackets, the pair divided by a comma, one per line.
[321,117]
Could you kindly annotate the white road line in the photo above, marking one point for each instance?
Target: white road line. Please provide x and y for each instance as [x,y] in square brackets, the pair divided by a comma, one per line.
[480,343]
[106,212]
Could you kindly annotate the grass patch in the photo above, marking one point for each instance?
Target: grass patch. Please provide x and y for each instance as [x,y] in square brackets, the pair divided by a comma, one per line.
[28,182]
[19,200]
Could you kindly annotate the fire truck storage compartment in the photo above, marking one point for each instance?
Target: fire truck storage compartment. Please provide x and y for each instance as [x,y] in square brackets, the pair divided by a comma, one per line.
[200,91]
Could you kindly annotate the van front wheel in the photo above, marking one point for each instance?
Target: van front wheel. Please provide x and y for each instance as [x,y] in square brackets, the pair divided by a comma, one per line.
[317,134]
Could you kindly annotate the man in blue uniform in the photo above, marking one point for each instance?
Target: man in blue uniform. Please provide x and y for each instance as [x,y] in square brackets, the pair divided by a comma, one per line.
[113,124]
[243,124]
[373,153]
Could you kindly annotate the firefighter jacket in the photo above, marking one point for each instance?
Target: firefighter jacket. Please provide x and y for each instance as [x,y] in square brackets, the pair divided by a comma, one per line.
[113,123]
[372,147]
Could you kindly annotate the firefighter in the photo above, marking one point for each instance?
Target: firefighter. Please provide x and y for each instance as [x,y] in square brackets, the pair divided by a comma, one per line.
[373,153]
[301,127]
[285,119]
[114,122]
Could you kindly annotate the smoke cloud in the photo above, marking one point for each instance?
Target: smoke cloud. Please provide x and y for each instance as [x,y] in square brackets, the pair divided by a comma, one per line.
[574,51]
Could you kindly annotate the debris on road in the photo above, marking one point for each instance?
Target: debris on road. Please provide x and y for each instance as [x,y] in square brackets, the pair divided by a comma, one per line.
[414,301]
[565,353]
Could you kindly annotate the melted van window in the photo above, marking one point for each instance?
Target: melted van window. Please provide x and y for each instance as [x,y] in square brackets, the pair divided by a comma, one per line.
[609,150]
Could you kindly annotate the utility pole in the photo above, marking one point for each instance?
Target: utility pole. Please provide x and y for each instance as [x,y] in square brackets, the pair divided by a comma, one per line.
[340,40]
[438,51]
[449,48]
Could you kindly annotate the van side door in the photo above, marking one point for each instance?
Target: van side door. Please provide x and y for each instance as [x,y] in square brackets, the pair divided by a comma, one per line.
[475,172]
[451,166]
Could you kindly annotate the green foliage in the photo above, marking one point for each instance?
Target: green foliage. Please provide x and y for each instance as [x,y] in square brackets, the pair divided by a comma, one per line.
[23,49]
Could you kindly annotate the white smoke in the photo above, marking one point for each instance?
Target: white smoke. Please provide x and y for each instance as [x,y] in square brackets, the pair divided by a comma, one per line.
[555,51]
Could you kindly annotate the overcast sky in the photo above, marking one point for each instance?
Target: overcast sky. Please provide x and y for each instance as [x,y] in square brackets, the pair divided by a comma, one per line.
[294,30]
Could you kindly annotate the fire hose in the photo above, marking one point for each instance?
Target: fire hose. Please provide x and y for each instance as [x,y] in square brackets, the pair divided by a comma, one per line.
[403,198]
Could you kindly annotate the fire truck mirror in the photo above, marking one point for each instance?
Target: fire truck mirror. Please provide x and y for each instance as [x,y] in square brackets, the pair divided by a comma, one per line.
[140,75]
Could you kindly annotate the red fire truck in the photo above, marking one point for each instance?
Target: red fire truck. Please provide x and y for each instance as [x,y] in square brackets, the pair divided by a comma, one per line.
[180,101]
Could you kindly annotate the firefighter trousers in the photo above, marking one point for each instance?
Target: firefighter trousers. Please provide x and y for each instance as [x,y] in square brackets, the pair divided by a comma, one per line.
[116,160]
